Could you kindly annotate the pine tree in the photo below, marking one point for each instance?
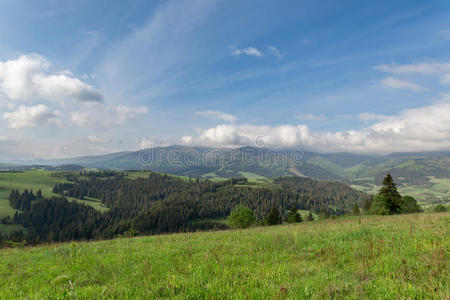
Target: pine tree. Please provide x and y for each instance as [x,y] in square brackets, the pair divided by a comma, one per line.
[390,193]
[355,210]
[310,217]
[294,216]
[274,216]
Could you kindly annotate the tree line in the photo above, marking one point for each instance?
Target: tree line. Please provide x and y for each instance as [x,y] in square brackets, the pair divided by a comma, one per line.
[162,203]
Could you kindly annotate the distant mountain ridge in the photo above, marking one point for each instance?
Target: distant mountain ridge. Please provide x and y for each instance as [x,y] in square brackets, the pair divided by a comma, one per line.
[256,162]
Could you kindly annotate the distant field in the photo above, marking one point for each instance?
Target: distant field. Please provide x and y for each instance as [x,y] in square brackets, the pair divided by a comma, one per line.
[438,189]
[375,257]
[34,180]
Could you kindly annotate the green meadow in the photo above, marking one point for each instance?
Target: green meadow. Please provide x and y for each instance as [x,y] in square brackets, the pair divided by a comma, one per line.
[35,180]
[437,190]
[376,257]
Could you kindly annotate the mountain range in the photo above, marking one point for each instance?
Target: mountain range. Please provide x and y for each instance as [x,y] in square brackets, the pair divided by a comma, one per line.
[253,162]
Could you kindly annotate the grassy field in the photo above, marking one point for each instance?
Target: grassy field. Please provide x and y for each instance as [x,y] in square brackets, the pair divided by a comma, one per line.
[393,257]
[38,179]
[24,180]
[438,189]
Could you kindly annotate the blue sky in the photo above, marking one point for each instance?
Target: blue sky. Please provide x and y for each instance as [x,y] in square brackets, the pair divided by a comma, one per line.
[91,77]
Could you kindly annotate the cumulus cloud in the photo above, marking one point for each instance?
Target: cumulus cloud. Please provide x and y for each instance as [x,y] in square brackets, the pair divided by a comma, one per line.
[217,115]
[402,84]
[311,117]
[250,51]
[421,129]
[416,68]
[28,78]
[97,140]
[31,116]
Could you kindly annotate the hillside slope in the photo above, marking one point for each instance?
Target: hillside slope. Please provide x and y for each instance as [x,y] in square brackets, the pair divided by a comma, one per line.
[423,174]
[395,257]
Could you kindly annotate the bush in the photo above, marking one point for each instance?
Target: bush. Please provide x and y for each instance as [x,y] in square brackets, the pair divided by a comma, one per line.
[241,217]
[409,205]
[440,208]
[379,205]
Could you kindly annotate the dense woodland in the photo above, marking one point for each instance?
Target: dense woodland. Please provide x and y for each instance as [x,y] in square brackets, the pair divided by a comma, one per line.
[163,203]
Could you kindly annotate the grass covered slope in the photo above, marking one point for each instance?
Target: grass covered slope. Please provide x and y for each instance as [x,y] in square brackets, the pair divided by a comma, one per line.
[395,257]
[35,180]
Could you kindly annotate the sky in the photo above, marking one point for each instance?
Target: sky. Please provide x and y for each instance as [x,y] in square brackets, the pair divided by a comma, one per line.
[93,77]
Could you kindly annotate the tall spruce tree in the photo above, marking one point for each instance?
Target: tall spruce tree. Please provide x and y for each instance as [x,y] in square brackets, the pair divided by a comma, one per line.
[274,216]
[355,210]
[390,193]
[310,217]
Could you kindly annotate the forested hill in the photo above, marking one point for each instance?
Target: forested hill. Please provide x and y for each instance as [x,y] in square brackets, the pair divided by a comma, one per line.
[162,203]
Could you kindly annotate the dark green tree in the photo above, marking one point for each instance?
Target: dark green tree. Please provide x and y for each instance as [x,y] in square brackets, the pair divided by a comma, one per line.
[409,205]
[241,217]
[379,205]
[294,216]
[310,217]
[355,209]
[391,195]
[274,216]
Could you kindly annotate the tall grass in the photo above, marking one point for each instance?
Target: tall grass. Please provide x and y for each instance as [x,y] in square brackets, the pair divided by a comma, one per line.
[393,257]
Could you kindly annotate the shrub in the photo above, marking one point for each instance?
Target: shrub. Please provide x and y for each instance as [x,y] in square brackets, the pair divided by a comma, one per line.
[409,205]
[241,217]
[379,205]
[440,208]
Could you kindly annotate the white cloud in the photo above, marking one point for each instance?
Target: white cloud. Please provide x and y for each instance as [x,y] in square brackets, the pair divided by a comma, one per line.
[81,118]
[445,78]
[402,84]
[311,117]
[217,115]
[149,142]
[28,78]
[31,116]
[421,129]
[417,68]
[250,51]
[125,113]
[275,52]
[97,140]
